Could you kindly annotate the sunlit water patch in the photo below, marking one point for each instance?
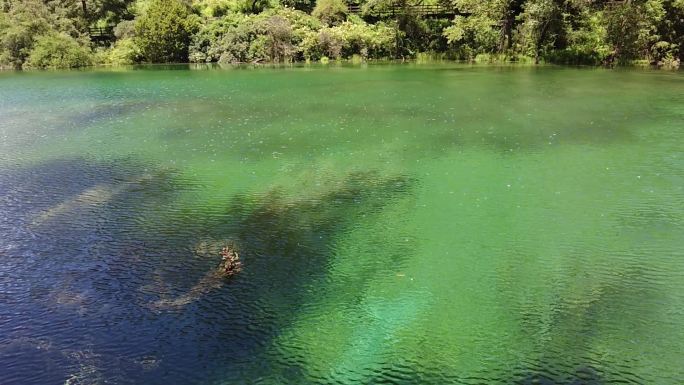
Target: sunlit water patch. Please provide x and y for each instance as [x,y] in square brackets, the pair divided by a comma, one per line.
[397,224]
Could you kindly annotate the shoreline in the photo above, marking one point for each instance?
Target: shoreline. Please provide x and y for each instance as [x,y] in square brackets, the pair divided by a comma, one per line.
[341,63]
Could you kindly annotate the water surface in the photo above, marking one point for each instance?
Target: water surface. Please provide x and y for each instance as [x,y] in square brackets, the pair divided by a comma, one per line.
[398,224]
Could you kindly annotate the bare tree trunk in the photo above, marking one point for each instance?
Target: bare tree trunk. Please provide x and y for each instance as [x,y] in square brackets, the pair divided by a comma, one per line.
[85,9]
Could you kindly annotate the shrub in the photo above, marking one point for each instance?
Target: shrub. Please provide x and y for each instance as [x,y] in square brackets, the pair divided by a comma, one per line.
[125,29]
[326,43]
[214,8]
[124,52]
[258,38]
[279,39]
[473,35]
[665,54]
[349,39]
[586,42]
[58,51]
[239,43]
[206,45]
[163,33]
[19,29]
[274,35]
[16,44]
[330,12]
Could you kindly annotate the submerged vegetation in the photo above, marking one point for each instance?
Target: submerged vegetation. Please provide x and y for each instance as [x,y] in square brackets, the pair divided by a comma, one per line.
[63,33]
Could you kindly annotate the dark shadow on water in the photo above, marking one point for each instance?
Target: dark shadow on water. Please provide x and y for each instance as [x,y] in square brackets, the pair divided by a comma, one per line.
[88,247]
[78,285]
[286,245]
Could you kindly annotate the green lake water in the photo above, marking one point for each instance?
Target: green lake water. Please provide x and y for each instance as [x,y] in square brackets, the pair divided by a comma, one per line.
[398,224]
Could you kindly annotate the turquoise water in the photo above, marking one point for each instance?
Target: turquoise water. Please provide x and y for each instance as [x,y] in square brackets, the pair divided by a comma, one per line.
[397,224]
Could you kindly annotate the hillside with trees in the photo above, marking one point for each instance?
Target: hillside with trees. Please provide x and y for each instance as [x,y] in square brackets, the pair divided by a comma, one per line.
[77,33]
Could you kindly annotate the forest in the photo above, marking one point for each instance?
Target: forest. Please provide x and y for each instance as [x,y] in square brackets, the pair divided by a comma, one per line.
[78,33]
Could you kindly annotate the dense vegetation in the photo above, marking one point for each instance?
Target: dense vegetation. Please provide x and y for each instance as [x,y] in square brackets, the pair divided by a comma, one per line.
[55,33]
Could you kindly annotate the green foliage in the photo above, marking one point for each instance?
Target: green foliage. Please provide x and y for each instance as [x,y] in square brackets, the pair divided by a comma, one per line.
[245,38]
[561,31]
[536,34]
[481,31]
[27,21]
[670,29]
[274,35]
[125,29]
[284,34]
[58,51]
[255,6]
[300,5]
[330,12]
[124,52]
[349,39]
[631,29]
[207,44]
[586,41]
[163,33]
[665,54]
[214,8]
[473,35]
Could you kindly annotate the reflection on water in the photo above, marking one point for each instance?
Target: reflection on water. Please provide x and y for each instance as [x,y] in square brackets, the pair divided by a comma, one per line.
[396,225]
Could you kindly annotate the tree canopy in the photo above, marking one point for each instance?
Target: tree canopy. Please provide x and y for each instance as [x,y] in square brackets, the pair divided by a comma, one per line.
[559,31]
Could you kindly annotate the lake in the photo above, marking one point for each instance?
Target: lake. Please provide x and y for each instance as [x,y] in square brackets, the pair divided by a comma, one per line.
[397,224]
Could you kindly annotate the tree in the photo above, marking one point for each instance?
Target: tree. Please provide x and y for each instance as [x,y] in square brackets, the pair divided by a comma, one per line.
[330,12]
[28,20]
[58,51]
[110,11]
[536,30]
[164,31]
[622,31]
[482,30]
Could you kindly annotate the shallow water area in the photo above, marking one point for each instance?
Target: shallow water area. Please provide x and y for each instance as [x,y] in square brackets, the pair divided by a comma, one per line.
[396,224]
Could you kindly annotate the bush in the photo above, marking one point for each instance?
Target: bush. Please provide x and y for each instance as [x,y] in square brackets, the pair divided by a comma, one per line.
[283,34]
[631,29]
[58,51]
[278,42]
[586,42]
[665,54]
[330,12]
[16,44]
[473,35]
[326,43]
[163,32]
[242,43]
[274,35]
[206,45]
[19,29]
[125,29]
[258,39]
[214,8]
[349,39]
[124,52]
